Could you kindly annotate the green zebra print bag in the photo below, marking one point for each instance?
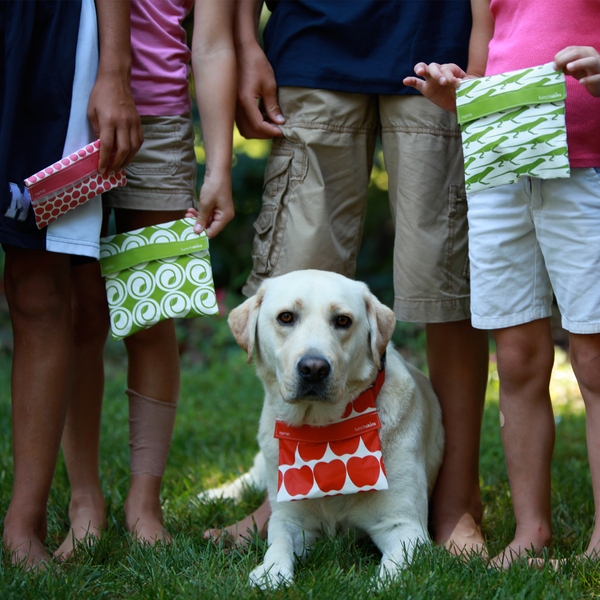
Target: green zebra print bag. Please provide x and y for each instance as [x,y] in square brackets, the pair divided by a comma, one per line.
[513,126]
[156,273]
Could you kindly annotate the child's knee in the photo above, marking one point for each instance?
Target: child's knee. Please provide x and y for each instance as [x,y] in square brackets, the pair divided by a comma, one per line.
[37,289]
[39,300]
[160,336]
[585,359]
[520,365]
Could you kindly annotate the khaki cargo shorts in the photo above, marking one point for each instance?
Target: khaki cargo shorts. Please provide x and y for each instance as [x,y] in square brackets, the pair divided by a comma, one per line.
[314,199]
[162,175]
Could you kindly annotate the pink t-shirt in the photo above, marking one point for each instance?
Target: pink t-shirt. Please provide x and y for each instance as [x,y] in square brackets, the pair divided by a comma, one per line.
[529,33]
[160,57]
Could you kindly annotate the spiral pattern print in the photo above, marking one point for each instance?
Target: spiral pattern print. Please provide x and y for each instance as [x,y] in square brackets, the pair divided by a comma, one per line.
[178,286]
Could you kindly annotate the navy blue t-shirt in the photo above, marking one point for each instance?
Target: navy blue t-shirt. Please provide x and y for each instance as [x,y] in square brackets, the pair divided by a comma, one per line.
[363,46]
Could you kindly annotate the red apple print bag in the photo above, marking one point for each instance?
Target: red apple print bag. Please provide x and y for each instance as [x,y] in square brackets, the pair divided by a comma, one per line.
[343,457]
[68,183]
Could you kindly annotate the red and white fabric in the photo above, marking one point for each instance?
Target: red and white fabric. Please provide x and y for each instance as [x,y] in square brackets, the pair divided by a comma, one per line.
[68,183]
[343,457]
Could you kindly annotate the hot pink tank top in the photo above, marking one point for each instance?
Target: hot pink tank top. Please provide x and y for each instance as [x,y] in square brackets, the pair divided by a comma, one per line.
[160,57]
[529,33]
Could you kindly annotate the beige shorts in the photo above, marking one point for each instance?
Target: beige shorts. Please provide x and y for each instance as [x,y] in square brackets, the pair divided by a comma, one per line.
[316,182]
[162,175]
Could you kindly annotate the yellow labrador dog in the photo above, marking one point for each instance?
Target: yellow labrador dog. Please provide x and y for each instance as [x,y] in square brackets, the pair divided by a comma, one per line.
[318,339]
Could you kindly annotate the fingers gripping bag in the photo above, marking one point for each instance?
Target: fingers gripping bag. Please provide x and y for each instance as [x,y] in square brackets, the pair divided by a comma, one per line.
[157,273]
[513,126]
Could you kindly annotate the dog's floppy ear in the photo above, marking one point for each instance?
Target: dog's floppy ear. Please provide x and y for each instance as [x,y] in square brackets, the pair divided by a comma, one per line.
[242,322]
[381,326]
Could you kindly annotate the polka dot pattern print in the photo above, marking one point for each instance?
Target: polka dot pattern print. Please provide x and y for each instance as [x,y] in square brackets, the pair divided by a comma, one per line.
[71,181]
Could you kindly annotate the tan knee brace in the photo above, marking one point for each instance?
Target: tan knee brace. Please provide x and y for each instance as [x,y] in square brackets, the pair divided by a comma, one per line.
[150,430]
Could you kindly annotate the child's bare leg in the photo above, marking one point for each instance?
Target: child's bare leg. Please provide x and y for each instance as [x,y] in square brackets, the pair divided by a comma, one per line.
[585,358]
[38,290]
[239,533]
[81,435]
[457,355]
[153,373]
[525,358]
[153,380]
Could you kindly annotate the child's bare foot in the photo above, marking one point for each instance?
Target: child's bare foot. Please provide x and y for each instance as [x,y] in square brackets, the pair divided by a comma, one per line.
[26,551]
[538,562]
[87,522]
[147,528]
[593,549]
[143,510]
[24,538]
[508,556]
[240,533]
[591,554]
[523,547]
[464,538]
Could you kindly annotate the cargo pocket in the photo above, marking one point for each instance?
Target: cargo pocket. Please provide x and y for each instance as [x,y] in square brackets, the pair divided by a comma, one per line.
[271,220]
[458,253]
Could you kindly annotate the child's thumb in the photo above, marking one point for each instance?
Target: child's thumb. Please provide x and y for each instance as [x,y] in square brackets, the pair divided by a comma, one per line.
[200,224]
[272,109]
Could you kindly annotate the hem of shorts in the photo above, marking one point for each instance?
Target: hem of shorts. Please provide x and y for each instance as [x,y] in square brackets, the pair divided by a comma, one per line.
[510,320]
[429,130]
[23,240]
[252,284]
[580,327]
[153,200]
[432,311]
[73,247]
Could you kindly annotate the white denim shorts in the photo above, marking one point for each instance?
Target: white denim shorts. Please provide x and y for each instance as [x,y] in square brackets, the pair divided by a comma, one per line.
[530,239]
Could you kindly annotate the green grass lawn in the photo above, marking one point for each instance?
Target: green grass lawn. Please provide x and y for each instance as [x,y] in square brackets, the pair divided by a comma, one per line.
[215,439]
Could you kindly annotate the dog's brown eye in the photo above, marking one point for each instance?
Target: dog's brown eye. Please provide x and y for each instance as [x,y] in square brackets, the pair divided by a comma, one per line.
[286,318]
[343,322]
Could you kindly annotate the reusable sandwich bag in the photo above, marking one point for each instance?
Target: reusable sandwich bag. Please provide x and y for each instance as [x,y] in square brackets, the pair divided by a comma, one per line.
[156,273]
[69,182]
[341,458]
[513,126]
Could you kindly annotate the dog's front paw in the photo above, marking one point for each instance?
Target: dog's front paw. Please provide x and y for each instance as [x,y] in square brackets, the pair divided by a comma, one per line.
[270,577]
[389,570]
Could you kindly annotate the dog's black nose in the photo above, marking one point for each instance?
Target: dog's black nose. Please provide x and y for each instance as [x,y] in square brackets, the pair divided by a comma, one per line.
[313,368]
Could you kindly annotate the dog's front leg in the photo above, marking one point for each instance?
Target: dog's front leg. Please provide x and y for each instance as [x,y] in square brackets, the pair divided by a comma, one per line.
[398,545]
[286,540]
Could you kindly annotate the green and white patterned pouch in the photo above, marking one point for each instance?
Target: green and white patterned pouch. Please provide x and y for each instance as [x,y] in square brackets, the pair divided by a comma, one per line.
[156,273]
[513,126]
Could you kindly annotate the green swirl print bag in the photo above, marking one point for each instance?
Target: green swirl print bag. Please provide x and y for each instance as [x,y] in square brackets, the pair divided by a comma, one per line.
[513,126]
[156,273]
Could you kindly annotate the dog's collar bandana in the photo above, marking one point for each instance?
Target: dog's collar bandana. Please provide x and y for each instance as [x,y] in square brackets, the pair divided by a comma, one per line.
[343,457]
